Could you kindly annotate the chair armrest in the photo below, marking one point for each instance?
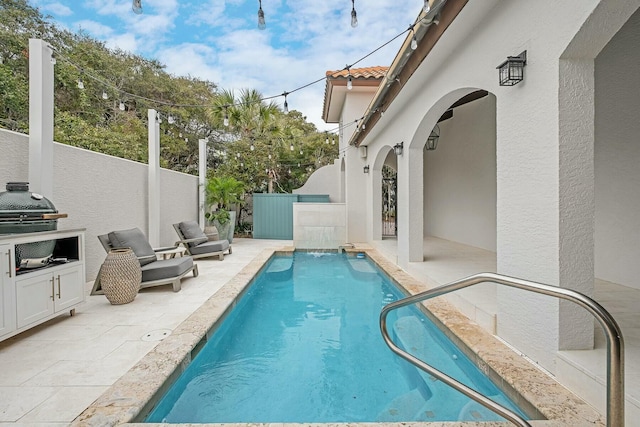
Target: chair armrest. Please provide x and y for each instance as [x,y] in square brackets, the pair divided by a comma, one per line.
[185,241]
[166,248]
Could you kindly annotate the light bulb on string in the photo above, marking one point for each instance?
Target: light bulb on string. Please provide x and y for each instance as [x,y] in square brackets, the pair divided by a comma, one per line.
[269,156]
[286,104]
[354,15]
[179,134]
[170,119]
[427,7]
[252,147]
[333,141]
[261,22]
[238,155]
[53,58]
[289,171]
[158,117]
[226,117]
[121,106]
[349,82]
[414,42]
[300,152]
[326,141]
[105,95]
[241,164]
[136,6]
[291,147]
[80,84]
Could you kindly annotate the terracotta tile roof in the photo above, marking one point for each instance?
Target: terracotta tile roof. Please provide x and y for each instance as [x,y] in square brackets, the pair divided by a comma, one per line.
[376,72]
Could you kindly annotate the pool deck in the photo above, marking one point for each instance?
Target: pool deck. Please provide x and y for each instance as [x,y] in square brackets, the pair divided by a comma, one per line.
[101,366]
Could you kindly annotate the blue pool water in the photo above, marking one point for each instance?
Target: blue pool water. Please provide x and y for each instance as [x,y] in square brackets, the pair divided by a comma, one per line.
[304,345]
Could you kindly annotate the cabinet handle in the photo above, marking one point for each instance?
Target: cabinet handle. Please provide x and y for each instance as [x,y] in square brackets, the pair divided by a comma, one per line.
[10,267]
[53,288]
[59,292]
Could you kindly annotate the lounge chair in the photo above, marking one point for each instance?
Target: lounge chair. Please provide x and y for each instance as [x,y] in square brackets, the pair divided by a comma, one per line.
[155,272]
[197,243]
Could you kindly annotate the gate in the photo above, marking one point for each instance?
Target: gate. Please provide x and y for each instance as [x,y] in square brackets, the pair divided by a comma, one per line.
[389,204]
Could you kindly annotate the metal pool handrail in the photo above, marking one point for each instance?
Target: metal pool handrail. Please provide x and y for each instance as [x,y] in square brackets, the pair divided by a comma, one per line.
[615,343]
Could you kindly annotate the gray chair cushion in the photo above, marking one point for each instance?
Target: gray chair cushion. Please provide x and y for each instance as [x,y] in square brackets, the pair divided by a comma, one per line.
[166,268]
[191,230]
[209,247]
[137,241]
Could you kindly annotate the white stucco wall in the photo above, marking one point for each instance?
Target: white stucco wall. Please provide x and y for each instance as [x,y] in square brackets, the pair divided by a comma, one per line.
[326,180]
[102,193]
[544,150]
[319,225]
[357,183]
[617,158]
[463,165]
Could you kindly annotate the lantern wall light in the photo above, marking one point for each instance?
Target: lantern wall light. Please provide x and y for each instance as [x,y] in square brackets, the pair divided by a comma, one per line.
[432,140]
[398,148]
[511,71]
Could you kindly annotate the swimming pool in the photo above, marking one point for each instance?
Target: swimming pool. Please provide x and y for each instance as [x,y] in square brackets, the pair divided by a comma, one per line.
[303,345]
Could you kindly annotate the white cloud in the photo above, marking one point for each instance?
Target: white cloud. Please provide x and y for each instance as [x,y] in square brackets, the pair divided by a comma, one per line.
[126,42]
[95,29]
[57,9]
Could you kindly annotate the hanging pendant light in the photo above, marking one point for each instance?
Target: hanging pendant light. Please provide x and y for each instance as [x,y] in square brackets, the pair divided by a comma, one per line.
[80,84]
[427,7]
[354,15]
[121,106]
[261,22]
[105,95]
[136,6]
[286,105]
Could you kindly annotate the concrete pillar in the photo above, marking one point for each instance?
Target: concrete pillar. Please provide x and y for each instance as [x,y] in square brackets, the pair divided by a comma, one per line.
[577,198]
[154,178]
[410,196]
[202,180]
[40,118]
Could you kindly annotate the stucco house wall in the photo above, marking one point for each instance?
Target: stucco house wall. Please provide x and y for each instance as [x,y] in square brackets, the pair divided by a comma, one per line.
[102,193]
[617,157]
[544,169]
[463,166]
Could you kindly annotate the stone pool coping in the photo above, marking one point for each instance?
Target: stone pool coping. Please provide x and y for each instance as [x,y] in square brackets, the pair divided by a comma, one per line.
[133,393]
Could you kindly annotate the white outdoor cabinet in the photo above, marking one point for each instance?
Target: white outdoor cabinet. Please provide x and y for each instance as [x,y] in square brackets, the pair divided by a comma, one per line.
[31,297]
[7,291]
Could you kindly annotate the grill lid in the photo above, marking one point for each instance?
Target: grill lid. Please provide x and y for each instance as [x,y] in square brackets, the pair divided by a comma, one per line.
[19,203]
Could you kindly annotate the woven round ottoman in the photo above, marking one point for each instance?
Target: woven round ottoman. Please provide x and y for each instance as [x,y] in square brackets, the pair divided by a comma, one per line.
[120,276]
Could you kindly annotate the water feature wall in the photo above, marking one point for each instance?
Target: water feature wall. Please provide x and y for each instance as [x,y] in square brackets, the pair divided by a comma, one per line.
[319,225]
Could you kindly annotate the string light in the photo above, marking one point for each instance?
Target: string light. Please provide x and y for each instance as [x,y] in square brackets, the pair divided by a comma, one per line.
[105,95]
[326,141]
[414,40]
[286,105]
[261,22]
[291,147]
[80,84]
[226,116]
[136,6]
[121,106]
[427,7]
[354,15]
[170,119]
[53,59]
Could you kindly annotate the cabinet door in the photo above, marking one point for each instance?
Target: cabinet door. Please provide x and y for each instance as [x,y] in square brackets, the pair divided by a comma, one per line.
[69,287]
[34,296]
[7,291]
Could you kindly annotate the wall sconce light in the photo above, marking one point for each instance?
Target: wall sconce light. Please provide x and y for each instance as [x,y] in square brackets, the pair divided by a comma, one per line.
[511,71]
[432,141]
[398,148]
[366,169]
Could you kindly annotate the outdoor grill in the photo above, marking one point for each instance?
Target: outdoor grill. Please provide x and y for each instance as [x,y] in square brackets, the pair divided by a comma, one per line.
[22,211]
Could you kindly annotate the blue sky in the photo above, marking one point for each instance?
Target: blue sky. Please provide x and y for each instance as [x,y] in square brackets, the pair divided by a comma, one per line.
[218,40]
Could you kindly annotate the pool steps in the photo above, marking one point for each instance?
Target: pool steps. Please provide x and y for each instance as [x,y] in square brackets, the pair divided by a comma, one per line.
[442,402]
